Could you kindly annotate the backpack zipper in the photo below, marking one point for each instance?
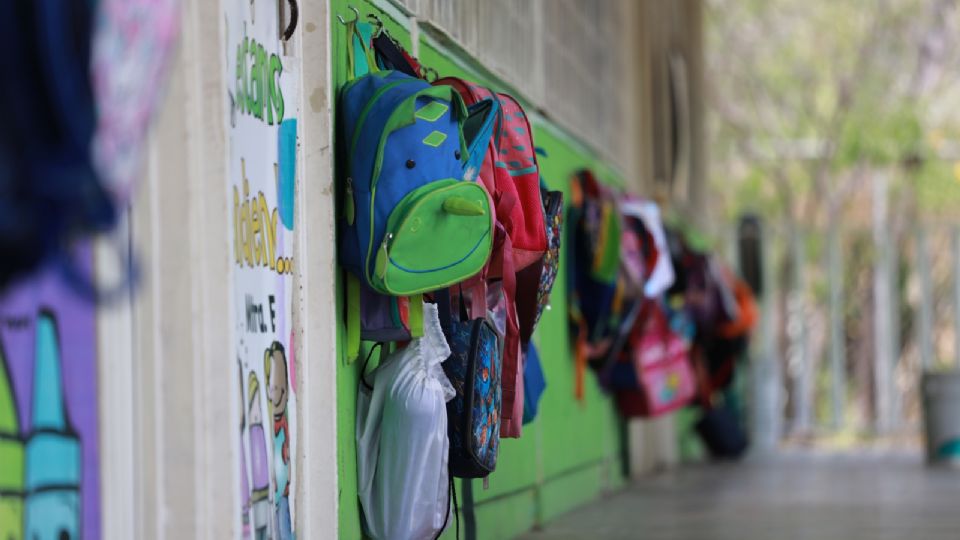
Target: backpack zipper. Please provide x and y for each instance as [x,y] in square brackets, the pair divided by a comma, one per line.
[349,205]
[383,256]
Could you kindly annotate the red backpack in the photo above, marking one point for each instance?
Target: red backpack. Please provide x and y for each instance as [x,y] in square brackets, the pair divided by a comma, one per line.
[511,174]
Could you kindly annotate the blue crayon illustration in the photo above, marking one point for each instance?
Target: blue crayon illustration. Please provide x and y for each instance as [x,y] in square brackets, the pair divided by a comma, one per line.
[53,457]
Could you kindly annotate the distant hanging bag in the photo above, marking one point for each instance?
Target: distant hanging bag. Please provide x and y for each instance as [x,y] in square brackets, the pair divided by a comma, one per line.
[593,238]
[719,426]
[731,339]
[654,376]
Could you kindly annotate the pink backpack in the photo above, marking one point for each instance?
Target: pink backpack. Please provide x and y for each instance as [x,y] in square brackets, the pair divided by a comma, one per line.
[660,362]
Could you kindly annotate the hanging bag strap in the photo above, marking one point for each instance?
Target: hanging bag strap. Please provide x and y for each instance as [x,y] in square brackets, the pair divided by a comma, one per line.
[392,55]
[512,393]
[361,58]
[442,297]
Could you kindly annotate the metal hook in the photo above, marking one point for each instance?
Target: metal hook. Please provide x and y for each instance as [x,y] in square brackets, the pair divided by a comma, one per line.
[346,22]
[355,19]
[294,17]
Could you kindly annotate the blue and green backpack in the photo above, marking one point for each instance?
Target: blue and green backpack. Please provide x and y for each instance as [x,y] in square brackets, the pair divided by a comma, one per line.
[412,223]
[405,204]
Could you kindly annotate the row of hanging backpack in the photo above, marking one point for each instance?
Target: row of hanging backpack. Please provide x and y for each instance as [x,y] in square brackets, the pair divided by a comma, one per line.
[442,200]
[661,323]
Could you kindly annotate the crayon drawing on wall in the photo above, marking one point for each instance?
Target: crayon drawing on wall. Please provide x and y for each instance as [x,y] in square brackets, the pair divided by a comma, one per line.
[50,473]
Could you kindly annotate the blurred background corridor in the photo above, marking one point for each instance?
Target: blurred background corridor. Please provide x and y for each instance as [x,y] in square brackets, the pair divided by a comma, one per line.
[711,287]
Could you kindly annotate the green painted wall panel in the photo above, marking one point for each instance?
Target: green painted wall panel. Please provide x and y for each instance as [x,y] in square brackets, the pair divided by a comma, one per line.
[571,452]
[500,518]
[348,375]
[565,492]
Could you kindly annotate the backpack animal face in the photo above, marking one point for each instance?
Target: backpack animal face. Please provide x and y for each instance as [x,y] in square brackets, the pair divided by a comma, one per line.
[413,223]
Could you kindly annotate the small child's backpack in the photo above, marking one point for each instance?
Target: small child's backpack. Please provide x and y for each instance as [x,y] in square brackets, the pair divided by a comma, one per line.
[413,224]
[474,369]
[652,375]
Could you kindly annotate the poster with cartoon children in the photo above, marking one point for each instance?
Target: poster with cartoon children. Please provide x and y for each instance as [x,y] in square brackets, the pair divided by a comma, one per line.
[261,95]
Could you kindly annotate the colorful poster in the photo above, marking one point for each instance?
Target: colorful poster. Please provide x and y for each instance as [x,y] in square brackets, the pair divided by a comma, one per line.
[262,135]
[49,440]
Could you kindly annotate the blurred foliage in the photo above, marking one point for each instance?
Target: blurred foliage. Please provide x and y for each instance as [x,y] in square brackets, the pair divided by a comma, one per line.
[811,104]
[804,93]
[880,139]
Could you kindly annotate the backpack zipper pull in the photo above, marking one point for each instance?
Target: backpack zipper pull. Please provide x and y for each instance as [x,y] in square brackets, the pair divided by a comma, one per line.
[349,208]
[382,255]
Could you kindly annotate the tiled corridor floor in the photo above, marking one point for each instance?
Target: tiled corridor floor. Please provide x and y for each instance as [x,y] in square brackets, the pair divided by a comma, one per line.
[792,497]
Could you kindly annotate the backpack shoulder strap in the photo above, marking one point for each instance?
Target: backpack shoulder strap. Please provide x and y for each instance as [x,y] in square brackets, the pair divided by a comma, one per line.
[353,317]
[415,317]
[512,371]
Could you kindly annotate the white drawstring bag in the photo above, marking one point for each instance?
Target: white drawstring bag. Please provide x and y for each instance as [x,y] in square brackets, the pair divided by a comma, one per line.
[402,444]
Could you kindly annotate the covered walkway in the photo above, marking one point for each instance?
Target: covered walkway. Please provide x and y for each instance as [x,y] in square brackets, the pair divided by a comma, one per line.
[796,496]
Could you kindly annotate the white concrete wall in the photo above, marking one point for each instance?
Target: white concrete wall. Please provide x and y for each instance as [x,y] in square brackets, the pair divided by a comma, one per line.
[168,410]
[571,58]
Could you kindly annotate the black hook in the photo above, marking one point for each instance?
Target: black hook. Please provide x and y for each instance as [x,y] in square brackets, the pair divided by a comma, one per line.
[375,21]
[294,17]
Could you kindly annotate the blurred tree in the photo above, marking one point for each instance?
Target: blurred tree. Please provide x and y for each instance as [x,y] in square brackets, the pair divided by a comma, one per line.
[811,103]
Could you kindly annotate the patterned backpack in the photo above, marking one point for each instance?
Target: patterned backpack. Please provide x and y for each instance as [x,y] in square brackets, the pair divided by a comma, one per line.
[474,370]
[535,282]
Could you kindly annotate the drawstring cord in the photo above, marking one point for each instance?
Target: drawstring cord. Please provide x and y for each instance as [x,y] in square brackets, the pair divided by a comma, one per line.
[451,496]
[363,370]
